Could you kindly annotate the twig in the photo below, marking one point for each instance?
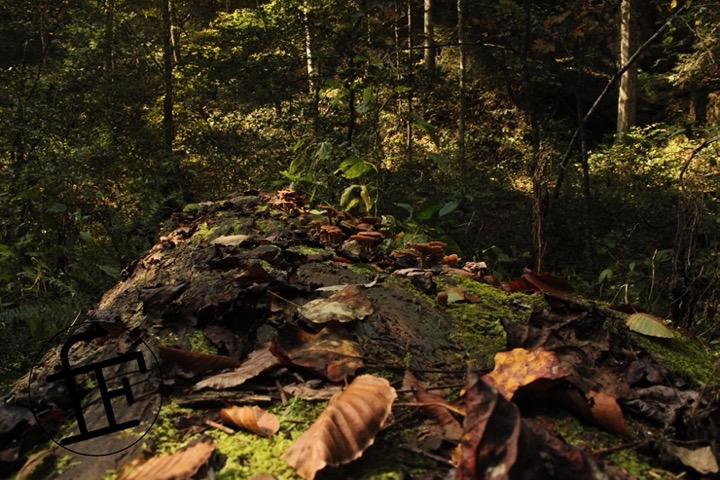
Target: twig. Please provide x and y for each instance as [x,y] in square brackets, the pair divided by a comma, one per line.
[219,426]
[444,405]
[624,446]
[603,94]
[283,299]
[429,455]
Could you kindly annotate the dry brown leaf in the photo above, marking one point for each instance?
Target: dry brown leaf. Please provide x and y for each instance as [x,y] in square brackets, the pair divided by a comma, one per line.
[344,306]
[197,362]
[345,428]
[257,362]
[253,419]
[596,407]
[432,406]
[172,466]
[332,352]
[519,367]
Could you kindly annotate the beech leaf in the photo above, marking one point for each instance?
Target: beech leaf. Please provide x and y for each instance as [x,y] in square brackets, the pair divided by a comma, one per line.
[332,352]
[197,362]
[648,324]
[253,419]
[346,305]
[433,406]
[345,428]
[257,362]
[519,367]
[172,466]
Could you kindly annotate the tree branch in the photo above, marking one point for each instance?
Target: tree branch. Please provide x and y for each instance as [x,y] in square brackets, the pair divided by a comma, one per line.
[603,94]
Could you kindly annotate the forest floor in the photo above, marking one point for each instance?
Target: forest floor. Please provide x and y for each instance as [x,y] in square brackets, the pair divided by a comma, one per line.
[434,369]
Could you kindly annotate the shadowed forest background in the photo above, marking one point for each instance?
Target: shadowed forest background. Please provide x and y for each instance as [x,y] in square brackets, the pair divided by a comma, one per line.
[464,121]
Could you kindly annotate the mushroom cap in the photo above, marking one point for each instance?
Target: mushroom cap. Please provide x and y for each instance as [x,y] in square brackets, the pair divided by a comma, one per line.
[372,234]
[427,248]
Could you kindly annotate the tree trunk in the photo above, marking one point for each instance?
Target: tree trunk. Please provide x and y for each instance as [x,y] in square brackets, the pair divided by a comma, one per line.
[108,51]
[461,86]
[313,87]
[168,55]
[409,125]
[429,32]
[627,96]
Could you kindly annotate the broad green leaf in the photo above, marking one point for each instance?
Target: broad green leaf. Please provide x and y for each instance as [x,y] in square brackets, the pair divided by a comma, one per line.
[449,207]
[365,195]
[427,211]
[323,151]
[347,196]
[426,127]
[353,167]
[648,324]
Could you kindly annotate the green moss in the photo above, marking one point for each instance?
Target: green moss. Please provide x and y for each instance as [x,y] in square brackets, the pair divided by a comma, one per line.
[198,343]
[268,225]
[201,232]
[306,250]
[164,436]
[476,326]
[631,463]
[683,355]
[63,462]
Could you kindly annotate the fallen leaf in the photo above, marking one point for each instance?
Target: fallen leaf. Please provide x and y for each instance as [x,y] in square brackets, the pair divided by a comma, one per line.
[344,429]
[197,362]
[595,407]
[648,324]
[433,406]
[519,367]
[233,240]
[257,362]
[172,466]
[251,418]
[702,459]
[305,391]
[539,282]
[252,275]
[344,306]
[332,352]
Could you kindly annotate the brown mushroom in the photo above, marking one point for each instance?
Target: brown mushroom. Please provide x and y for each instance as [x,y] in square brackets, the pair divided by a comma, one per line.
[331,235]
[428,251]
[368,241]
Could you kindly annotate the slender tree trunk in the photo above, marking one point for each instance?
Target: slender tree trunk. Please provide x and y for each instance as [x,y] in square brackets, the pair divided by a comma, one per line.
[538,164]
[409,125]
[109,34]
[168,54]
[312,71]
[587,226]
[461,86]
[429,32]
[627,96]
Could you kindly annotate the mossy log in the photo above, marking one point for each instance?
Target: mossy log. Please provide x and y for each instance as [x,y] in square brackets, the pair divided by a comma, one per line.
[199,288]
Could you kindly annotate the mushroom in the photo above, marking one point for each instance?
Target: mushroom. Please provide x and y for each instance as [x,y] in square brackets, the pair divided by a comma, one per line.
[428,251]
[331,235]
[368,241]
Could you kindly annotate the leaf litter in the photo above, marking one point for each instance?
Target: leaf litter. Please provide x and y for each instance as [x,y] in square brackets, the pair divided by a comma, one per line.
[564,354]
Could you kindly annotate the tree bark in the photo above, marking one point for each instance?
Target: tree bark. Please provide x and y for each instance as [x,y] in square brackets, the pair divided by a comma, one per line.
[409,124]
[461,86]
[429,32]
[109,34]
[312,71]
[168,55]
[627,96]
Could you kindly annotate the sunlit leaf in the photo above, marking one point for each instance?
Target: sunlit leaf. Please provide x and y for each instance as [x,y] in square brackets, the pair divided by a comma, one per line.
[519,367]
[251,418]
[648,324]
[172,466]
[344,306]
[345,428]
[257,362]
